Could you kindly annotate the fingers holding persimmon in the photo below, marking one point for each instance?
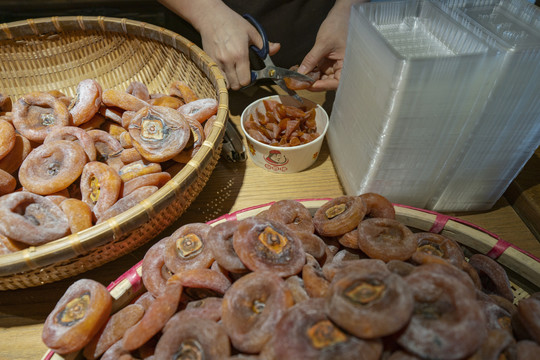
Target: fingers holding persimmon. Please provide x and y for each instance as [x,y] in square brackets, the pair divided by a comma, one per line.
[296,84]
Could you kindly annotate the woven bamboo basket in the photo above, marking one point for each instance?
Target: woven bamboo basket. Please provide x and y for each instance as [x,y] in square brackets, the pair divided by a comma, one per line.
[523,269]
[56,54]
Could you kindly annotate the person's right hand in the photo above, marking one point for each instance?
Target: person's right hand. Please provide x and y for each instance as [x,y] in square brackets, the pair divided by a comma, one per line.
[226,37]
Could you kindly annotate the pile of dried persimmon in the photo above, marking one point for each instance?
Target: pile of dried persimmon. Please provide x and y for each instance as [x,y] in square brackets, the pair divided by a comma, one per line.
[282,125]
[69,163]
[348,282]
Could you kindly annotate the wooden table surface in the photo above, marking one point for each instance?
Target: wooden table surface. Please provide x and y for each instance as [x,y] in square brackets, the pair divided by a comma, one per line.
[232,186]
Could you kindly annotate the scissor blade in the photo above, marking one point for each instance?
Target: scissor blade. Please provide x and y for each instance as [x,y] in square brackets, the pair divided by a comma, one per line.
[277,73]
[281,84]
[282,73]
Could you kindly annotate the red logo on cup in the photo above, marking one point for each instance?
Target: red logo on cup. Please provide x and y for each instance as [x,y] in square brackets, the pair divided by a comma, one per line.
[275,157]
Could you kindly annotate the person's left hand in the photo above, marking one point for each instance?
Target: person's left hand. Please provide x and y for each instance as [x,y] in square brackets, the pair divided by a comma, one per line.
[329,50]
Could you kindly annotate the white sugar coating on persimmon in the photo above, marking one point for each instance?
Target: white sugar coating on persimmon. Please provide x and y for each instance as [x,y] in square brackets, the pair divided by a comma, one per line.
[77,317]
[52,167]
[267,245]
[31,219]
[96,147]
[187,248]
[86,102]
[159,133]
[139,90]
[74,133]
[37,113]
[220,242]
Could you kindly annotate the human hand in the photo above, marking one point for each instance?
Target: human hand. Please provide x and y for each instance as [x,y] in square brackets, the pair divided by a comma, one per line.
[329,50]
[226,37]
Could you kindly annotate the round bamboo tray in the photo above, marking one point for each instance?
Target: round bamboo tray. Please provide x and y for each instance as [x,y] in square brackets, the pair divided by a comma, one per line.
[56,54]
[523,269]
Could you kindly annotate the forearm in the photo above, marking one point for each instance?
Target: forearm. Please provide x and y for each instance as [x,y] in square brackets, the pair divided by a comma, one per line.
[196,12]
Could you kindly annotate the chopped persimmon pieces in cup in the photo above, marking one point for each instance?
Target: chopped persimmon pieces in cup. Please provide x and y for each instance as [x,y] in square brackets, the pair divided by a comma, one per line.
[282,125]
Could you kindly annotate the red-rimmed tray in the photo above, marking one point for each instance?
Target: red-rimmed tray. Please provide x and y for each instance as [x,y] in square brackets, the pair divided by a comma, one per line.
[523,268]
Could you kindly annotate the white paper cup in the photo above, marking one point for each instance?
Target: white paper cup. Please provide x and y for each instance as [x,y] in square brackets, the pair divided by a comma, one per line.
[285,160]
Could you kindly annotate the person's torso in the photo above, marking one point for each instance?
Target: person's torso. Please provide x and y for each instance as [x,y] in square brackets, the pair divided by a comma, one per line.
[293,23]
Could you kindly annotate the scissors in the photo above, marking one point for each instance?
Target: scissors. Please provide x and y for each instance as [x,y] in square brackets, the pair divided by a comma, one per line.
[270,71]
[233,146]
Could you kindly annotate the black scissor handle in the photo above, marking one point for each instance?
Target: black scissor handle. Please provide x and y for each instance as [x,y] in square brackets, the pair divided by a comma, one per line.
[263,52]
